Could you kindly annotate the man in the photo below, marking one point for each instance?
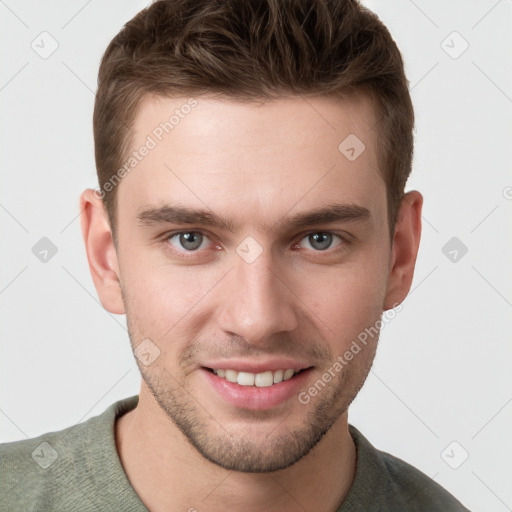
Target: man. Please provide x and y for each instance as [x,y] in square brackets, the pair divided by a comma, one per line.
[252,224]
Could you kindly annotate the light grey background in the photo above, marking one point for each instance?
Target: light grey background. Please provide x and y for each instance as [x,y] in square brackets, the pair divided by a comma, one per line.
[442,372]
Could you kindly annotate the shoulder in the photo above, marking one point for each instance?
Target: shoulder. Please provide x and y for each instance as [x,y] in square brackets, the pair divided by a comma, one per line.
[393,484]
[48,472]
[34,471]
[412,487]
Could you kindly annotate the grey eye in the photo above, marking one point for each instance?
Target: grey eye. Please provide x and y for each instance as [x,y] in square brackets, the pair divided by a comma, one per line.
[320,241]
[189,240]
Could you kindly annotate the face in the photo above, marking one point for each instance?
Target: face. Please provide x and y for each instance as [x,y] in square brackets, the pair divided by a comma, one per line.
[251,254]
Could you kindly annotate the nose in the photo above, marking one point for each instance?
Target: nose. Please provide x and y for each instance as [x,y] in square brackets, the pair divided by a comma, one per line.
[258,301]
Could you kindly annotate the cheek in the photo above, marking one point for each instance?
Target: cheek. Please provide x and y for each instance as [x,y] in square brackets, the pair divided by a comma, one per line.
[350,300]
[166,299]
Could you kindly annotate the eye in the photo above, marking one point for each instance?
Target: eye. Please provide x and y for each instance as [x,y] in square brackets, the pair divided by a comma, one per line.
[188,240]
[320,241]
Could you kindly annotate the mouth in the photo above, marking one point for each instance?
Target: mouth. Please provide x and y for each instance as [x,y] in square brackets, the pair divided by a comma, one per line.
[255,386]
[263,379]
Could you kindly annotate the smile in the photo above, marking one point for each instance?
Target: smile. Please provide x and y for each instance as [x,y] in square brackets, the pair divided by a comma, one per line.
[260,380]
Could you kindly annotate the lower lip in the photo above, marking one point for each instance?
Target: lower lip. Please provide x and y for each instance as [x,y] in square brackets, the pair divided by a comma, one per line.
[254,398]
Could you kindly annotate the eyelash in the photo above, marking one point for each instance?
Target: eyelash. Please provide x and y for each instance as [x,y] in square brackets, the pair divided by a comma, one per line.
[344,241]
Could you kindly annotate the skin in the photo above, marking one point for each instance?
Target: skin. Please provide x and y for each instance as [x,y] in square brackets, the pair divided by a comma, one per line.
[255,164]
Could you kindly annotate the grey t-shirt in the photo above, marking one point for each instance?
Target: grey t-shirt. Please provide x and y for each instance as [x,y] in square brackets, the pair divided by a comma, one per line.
[78,469]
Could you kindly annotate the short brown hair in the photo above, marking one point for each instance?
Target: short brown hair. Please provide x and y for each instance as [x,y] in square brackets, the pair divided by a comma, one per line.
[247,50]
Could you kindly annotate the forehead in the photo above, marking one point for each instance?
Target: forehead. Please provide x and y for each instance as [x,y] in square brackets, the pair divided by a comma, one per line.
[253,160]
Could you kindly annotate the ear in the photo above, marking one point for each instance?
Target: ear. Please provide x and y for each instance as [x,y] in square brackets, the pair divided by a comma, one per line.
[101,251]
[406,240]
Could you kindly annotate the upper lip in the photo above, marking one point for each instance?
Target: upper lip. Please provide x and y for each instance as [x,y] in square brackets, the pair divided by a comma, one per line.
[243,365]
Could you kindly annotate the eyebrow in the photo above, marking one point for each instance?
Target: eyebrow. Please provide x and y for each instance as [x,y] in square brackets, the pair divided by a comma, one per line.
[326,215]
[174,214]
[182,215]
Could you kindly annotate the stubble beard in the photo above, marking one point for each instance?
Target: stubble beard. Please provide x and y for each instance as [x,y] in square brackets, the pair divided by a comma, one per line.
[235,450]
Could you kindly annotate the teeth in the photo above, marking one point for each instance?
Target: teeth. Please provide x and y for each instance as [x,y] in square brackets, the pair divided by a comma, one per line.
[264,380]
[231,375]
[245,379]
[288,374]
[260,380]
[278,376]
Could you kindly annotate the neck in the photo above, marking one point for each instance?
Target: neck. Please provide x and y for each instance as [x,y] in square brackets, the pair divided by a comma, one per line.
[163,467]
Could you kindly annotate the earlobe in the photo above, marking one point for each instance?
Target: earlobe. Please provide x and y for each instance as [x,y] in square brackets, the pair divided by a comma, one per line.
[406,240]
[101,252]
